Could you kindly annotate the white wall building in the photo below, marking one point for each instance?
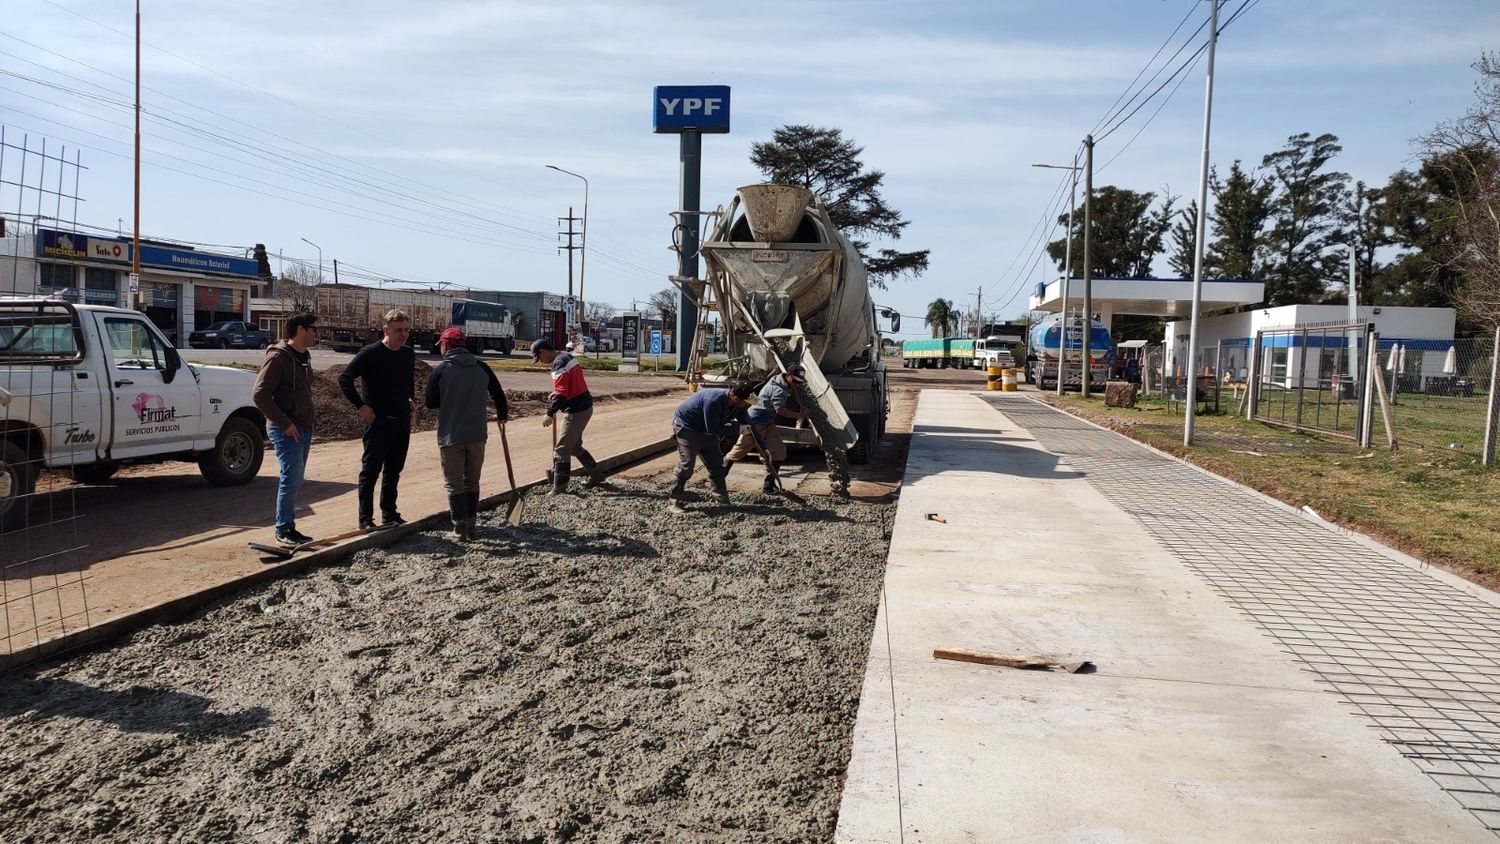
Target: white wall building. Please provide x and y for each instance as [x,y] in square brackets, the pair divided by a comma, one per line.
[1425,334]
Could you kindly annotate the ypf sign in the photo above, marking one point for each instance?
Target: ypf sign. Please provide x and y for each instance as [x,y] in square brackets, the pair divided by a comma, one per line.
[690,108]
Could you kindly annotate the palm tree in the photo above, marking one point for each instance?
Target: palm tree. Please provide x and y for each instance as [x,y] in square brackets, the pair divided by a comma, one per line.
[941,316]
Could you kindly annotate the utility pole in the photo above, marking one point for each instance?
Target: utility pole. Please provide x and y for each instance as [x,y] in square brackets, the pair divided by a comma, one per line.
[335,272]
[135,234]
[1088,275]
[1208,105]
[978,313]
[569,234]
[1062,336]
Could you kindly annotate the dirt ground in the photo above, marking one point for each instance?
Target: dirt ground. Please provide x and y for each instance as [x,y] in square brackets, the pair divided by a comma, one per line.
[605,672]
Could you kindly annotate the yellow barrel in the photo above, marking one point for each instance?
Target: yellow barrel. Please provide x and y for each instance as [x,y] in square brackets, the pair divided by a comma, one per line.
[993,375]
[1008,381]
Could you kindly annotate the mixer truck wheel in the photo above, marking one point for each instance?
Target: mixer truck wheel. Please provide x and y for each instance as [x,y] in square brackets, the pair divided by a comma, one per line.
[859,453]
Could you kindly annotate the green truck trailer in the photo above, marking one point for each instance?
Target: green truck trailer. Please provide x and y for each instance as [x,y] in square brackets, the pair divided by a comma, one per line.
[938,353]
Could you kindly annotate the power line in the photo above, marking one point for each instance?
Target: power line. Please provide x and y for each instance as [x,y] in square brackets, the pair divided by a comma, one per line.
[1192,6]
[298,106]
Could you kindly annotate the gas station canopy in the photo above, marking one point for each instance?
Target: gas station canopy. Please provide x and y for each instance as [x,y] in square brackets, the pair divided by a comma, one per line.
[1163,297]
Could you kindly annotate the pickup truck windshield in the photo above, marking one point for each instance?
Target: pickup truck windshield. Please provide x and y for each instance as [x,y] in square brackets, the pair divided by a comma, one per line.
[223,326]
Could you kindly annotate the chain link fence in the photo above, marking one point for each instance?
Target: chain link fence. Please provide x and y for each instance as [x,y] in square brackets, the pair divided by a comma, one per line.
[1438,393]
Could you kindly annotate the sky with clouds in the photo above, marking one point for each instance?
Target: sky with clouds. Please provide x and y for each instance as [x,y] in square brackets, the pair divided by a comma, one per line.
[410,139]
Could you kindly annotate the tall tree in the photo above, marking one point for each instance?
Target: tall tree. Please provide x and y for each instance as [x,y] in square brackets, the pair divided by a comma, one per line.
[1304,222]
[1464,156]
[1422,274]
[1126,233]
[1241,208]
[940,317]
[1181,255]
[828,164]
[664,303]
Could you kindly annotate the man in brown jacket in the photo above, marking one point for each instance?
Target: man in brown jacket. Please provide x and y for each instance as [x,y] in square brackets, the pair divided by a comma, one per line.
[283,392]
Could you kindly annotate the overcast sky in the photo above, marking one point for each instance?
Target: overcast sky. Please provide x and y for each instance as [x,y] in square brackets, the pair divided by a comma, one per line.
[409,139]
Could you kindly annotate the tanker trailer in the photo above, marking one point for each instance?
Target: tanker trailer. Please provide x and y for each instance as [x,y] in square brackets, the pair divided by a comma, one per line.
[1049,347]
[792,289]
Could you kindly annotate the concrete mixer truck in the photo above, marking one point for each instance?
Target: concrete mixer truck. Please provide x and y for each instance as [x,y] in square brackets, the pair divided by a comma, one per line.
[791,288]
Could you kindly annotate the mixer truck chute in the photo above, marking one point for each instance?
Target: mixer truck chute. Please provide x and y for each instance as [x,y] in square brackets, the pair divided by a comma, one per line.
[792,289]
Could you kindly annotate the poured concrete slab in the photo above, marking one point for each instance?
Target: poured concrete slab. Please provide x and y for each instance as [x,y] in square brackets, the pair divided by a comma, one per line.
[1194,727]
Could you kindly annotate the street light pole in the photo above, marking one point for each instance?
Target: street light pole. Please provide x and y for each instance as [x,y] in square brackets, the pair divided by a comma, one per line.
[320,256]
[583,260]
[1208,106]
[1062,331]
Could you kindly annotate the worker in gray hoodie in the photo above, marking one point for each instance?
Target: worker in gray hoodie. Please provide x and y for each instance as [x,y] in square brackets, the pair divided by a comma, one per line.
[456,389]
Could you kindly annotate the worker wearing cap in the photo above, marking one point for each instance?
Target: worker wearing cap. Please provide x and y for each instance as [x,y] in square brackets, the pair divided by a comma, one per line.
[776,400]
[571,399]
[698,424]
[456,389]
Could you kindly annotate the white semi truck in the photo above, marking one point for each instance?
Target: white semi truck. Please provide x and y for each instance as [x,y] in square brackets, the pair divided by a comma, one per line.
[85,389]
[792,289]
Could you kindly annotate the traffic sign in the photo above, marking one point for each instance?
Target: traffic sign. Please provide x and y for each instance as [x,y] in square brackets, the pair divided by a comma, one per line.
[656,342]
[603,326]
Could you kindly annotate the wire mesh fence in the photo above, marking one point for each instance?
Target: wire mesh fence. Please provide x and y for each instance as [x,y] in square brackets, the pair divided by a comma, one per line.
[1438,392]
[49,426]
[1308,377]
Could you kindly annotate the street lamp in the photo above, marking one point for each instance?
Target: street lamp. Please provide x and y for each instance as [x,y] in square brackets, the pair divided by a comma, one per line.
[583,260]
[320,256]
[1062,330]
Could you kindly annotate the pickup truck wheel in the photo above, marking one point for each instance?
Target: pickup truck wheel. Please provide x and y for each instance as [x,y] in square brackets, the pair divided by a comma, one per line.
[236,455]
[263,344]
[95,473]
[223,344]
[17,482]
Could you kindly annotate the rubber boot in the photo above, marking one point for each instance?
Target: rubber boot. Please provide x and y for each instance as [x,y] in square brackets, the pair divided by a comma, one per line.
[721,490]
[770,487]
[457,505]
[591,466]
[679,491]
[471,498]
[561,470]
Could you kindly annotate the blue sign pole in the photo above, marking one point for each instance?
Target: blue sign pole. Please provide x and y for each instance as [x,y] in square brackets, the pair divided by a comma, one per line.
[687,256]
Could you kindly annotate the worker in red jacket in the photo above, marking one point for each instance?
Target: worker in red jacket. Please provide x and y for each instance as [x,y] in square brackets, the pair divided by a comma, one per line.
[571,398]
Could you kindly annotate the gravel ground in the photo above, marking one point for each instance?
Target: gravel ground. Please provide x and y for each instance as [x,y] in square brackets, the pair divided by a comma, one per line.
[603,673]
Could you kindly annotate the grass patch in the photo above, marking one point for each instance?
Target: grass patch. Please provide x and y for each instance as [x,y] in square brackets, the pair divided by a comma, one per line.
[1436,505]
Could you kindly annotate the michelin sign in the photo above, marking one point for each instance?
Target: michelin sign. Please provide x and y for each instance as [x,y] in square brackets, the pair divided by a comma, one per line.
[690,108]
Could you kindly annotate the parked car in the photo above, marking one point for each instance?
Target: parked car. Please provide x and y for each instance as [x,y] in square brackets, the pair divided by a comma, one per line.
[230,335]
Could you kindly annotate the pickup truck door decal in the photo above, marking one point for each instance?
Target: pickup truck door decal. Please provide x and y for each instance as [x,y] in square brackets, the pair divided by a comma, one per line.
[150,415]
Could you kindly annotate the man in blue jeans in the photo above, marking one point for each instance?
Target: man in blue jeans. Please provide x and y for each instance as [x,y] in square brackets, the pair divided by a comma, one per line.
[283,392]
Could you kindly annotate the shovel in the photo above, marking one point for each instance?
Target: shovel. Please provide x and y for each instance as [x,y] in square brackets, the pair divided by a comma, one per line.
[285,552]
[760,446]
[513,512]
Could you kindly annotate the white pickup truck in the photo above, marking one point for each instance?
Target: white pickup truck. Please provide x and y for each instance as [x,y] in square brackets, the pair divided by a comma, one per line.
[87,388]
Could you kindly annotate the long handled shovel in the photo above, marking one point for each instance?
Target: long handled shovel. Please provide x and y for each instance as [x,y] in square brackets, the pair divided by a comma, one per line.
[513,513]
[285,552]
[760,446]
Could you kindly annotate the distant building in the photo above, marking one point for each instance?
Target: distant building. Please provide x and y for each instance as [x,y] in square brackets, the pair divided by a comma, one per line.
[181,288]
[1425,334]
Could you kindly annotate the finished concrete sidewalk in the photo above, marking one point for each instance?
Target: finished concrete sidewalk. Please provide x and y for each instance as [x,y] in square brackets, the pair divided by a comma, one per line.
[1201,722]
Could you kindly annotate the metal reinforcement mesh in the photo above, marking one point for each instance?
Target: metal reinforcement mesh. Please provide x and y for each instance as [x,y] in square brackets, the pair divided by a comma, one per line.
[1416,657]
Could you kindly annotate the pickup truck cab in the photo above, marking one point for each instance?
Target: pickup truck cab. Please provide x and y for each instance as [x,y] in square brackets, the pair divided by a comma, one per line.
[230,335]
[85,389]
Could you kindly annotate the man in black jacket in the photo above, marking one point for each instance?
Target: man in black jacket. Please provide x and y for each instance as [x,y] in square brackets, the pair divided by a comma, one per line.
[456,389]
[386,371]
